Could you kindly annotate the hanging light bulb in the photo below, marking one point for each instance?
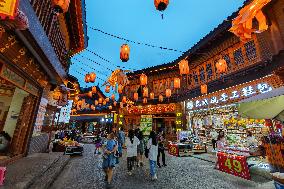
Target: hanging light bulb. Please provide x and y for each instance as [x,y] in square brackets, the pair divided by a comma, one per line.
[124,52]
[203,89]
[107,90]
[124,99]
[221,66]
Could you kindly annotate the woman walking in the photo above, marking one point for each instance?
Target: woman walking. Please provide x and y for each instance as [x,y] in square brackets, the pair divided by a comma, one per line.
[161,149]
[131,144]
[109,160]
[152,146]
[140,149]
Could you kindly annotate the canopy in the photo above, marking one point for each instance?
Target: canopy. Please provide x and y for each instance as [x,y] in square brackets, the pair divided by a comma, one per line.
[264,106]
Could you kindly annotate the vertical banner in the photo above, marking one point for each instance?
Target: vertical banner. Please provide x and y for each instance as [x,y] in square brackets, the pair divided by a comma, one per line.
[146,123]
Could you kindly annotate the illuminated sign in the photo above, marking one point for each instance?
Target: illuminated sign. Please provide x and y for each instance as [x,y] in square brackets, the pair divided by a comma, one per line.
[233,95]
[8,8]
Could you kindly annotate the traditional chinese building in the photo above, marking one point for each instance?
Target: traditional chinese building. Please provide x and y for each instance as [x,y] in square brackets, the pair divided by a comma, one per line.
[37,39]
[253,66]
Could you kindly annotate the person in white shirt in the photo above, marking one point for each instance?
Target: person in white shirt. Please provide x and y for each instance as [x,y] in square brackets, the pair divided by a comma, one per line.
[152,146]
[214,137]
[131,144]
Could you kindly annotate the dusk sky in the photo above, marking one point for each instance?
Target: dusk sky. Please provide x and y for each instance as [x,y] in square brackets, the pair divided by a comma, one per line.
[185,23]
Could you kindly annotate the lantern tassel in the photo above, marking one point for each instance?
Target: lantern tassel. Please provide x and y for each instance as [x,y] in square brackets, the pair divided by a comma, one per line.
[162,16]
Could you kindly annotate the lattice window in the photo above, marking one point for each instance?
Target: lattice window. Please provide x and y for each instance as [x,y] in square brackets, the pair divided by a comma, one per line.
[228,61]
[238,56]
[195,77]
[250,50]
[189,79]
[202,74]
[209,71]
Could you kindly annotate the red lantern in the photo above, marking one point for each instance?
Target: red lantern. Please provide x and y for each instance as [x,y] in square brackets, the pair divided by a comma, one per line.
[100,100]
[124,53]
[152,96]
[176,83]
[168,93]
[107,89]
[94,89]
[60,6]
[124,99]
[90,94]
[87,78]
[221,66]
[145,100]
[143,80]
[120,89]
[161,98]
[92,77]
[161,5]
[113,97]
[145,92]
[203,89]
[135,96]
[183,67]
[114,103]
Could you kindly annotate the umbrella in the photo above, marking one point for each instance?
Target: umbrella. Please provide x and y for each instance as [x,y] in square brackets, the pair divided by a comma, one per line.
[264,106]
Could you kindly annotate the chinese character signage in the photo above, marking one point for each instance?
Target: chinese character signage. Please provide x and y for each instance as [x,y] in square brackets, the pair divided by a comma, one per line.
[152,109]
[8,8]
[228,96]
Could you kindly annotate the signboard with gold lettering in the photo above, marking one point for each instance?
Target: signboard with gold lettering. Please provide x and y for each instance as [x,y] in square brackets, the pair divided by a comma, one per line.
[8,8]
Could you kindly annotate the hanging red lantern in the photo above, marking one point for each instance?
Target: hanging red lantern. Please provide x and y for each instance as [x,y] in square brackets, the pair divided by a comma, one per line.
[90,94]
[161,98]
[161,5]
[176,83]
[168,93]
[87,78]
[107,99]
[124,53]
[203,89]
[152,96]
[60,6]
[100,100]
[135,96]
[96,102]
[221,66]
[94,89]
[183,67]
[92,77]
[143,80]
[120,89]
[145,92]
[114,103]
[113,97]
[124,99]
[107,90]
[145,100]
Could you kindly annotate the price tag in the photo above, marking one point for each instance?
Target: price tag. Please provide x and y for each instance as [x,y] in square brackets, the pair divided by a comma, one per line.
[233,164]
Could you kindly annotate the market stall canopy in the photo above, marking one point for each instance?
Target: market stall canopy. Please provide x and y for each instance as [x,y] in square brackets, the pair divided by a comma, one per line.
[264,106]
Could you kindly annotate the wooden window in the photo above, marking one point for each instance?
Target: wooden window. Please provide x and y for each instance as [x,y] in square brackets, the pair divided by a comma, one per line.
[209,71]
[202,74]
[189,79]
[238,56]
[195,78]
[228,61]
[250,50]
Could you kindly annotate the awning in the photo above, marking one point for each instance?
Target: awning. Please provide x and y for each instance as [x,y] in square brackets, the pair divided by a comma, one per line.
[264,106]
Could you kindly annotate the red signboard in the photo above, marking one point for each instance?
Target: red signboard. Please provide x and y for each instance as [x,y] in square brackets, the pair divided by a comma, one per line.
[233,164]
[8,8]
[173,149]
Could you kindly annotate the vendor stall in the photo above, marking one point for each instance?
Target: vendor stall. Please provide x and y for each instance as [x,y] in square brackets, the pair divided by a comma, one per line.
[69,147]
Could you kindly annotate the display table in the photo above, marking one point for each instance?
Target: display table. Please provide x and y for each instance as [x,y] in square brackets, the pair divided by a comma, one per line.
[180,149]
[74,150]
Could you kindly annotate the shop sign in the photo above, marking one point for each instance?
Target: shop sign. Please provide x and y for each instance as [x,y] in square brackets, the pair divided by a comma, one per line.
[232,96]
[233,164]
[152,109]
[8,8]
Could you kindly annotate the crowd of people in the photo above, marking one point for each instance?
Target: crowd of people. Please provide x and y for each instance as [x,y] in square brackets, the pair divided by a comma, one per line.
[138,147]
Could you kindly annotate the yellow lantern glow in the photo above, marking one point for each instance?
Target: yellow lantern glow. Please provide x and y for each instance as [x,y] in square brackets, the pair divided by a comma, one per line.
[110,107]
[203,89]
[145,92]
[161,98]
[168,93]
[93,107]
[100,100]
[104,102]
[124,99]
[176,83]
[113,97]
[92,77]
[90,94]
[124,52]
[135,96]
[152,96]
[56,95]
[221,66]
[107,89]
[145,100]
[143,80]
[183,67]
[94,89]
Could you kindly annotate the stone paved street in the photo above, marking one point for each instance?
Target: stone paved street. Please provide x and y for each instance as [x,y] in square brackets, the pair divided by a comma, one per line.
[85,172]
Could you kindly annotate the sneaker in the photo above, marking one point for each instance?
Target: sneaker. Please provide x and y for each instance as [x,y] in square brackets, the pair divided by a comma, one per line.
[155,177]
[159,166]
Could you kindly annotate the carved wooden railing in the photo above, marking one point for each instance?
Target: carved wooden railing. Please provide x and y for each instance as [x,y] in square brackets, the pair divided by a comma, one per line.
[50,23]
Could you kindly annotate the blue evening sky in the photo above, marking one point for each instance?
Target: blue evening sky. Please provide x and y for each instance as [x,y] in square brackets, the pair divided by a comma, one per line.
[185,23]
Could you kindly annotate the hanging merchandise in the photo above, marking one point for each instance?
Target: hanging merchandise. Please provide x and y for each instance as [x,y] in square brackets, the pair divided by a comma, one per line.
[183,67]
[124,53]
[113,97]
[60,6]
[203,89]
[143,79]
[168,93]
[176,83]
[152,96]
[161,98]
[92,77]
[145,100]
[135,96]
[221,66]
[87,78]
[94,89]
[145,92]
[107,90]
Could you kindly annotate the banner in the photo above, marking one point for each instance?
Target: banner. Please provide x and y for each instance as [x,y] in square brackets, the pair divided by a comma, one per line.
[146,124]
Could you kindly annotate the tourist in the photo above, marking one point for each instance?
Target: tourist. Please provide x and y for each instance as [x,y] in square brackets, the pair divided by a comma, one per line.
[152,146]
[98,144]
[161,149]
[221,141]
[131,144]
[121,140]
[109,160]
[214,137]
[140,149]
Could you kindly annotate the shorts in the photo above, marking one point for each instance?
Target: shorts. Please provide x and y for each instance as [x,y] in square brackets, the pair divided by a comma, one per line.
[140,151]
[109,161]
